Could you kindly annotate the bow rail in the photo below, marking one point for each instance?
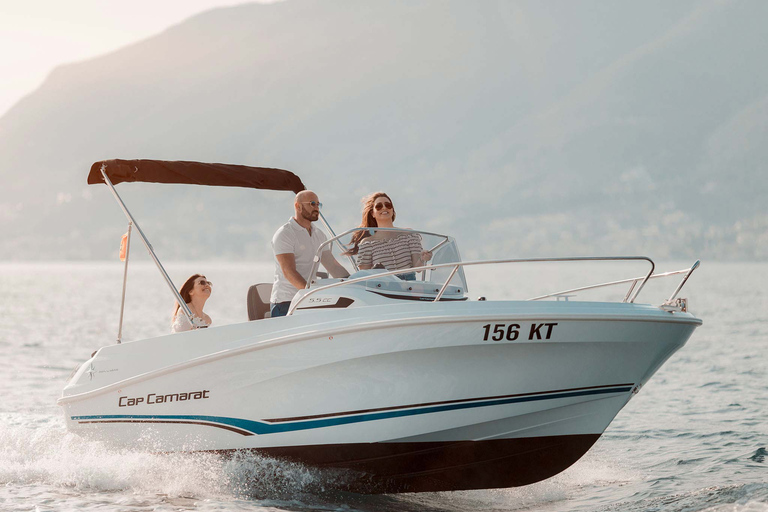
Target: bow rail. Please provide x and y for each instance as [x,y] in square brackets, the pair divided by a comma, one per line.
[455,266]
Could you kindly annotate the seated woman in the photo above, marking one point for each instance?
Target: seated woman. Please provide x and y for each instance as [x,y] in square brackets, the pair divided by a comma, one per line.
[391,250]
[195,291]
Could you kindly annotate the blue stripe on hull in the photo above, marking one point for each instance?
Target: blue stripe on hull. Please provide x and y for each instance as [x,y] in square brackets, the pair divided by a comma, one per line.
[250,427]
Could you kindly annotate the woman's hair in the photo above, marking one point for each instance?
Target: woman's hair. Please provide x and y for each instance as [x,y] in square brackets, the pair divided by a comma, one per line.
[368,220]
[184,292]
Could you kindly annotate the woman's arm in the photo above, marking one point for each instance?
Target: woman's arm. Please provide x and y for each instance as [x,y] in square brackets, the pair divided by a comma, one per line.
[365,256]
[419,257]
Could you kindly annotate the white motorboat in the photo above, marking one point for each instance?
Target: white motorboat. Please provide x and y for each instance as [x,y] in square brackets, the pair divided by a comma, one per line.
[406,386]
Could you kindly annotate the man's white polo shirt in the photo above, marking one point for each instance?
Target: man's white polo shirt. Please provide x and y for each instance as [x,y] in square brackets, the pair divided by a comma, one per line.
[292,238]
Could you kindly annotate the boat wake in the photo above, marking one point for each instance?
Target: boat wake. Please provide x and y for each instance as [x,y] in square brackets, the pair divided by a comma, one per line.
[49,455]
[39,456]
[43,454]
[732,498]
[40,453]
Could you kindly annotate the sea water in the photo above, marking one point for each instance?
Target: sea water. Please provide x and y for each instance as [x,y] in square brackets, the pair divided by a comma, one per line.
[695,437]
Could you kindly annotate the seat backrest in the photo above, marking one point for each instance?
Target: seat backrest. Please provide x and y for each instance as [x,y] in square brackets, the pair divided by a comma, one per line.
[258,301]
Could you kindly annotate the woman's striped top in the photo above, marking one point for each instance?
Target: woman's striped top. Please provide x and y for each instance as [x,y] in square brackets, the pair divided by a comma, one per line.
[394,253]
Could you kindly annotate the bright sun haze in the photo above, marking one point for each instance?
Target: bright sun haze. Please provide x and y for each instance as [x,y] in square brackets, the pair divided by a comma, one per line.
[38,35]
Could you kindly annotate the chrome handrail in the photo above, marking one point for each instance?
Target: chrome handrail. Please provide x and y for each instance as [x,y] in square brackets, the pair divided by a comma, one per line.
[457,265]
[445,285]
[633,280]
[685,278]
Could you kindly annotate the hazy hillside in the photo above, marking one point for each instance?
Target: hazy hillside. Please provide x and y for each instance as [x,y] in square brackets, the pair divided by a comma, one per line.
[523,128]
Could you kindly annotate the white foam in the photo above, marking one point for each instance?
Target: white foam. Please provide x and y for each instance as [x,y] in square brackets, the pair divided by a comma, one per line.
[751,506]
[50,455]
[46,454]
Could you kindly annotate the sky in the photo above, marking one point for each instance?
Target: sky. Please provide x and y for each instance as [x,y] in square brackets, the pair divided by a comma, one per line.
[38,35]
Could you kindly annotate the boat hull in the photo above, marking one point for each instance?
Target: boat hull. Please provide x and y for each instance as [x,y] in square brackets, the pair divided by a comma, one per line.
[439,466]
[416,398]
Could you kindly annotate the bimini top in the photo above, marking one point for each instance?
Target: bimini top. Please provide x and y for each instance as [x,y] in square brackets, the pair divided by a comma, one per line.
[195,173]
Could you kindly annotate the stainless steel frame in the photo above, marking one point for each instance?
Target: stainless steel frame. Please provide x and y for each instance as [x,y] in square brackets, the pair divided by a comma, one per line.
[182,304]
[125,282]
[633,280]
[671,299]
[336,240]
[456,265]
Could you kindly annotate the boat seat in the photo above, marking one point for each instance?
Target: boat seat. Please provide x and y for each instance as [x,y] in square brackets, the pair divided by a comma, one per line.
[258,301]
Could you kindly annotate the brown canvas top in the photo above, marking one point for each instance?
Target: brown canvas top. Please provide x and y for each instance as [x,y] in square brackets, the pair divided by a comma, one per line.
[195,173]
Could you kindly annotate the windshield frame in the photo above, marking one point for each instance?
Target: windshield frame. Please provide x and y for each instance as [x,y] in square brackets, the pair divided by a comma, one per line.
[336,239]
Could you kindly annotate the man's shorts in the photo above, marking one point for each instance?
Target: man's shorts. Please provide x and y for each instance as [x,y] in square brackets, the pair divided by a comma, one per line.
[279,309]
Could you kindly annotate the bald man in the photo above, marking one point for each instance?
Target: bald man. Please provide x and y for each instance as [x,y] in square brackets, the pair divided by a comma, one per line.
[294,246]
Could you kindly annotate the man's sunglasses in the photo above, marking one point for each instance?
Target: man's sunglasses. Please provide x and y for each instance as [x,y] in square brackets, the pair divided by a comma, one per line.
[313,204]
[386,205]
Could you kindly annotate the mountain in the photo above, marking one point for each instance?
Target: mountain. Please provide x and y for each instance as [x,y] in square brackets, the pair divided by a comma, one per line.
[523,128]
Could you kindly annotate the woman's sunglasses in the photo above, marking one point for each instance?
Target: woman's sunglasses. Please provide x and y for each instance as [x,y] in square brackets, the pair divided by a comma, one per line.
[386,205]
[203,282]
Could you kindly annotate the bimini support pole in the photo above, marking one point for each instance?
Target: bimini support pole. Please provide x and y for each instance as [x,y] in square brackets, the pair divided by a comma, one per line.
[182,304]
[125,281]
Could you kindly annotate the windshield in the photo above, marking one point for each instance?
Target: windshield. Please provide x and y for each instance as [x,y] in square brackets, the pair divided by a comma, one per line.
[394,246]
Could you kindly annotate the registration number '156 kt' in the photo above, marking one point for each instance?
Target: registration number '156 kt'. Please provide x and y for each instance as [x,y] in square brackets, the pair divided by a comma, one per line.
[511,332]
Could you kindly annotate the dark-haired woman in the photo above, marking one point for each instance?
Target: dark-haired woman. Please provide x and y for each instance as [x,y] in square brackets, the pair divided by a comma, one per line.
[392,250]
[195,291]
